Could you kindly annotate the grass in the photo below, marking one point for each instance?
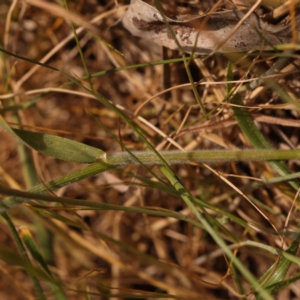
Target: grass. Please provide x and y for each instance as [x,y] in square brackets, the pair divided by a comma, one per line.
[128,174]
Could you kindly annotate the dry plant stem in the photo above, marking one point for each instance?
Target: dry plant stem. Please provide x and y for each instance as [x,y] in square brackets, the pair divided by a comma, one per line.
[7,23]
[60,45]
[276,67]
[272,250]
[271,3]
[26,156]
[186,196]
[283,9]
[244,196]
[219,92]
[57,10]
[112,258]
[29,171]
[139,118]
[287,71]
[185,59]
[20,286]
[231,122]
[120,236]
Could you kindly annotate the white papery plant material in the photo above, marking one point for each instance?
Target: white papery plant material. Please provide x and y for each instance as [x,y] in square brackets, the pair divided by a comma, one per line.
[205,33]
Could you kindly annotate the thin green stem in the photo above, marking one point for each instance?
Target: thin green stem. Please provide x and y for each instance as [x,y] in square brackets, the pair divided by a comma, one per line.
[186,196]
[209,156]
[23,252]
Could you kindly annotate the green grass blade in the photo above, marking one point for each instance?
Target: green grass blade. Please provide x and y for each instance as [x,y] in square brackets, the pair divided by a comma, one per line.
[75,176]
[187,198]
[258,141]
[18,241]
[59,147]
[38,257]
[273,284]
[249,128]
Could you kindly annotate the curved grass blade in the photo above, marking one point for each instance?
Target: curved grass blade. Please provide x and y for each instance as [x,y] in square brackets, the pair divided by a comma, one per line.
[249,128]
[258,141]
[26,262]
[61,148]
[37,256]
[273,284]
[185,195]
[58,147]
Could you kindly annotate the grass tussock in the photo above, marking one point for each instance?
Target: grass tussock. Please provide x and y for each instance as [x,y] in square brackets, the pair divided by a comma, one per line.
[83,222]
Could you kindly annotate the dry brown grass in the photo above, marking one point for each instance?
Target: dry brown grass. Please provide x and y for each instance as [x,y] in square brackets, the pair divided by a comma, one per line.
[86,261]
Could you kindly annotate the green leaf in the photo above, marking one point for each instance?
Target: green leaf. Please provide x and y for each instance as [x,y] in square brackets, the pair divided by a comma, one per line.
[61,148]
[257,139]
[251,131]
[273,284]
[58,147]
[28,267]
[38,257]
